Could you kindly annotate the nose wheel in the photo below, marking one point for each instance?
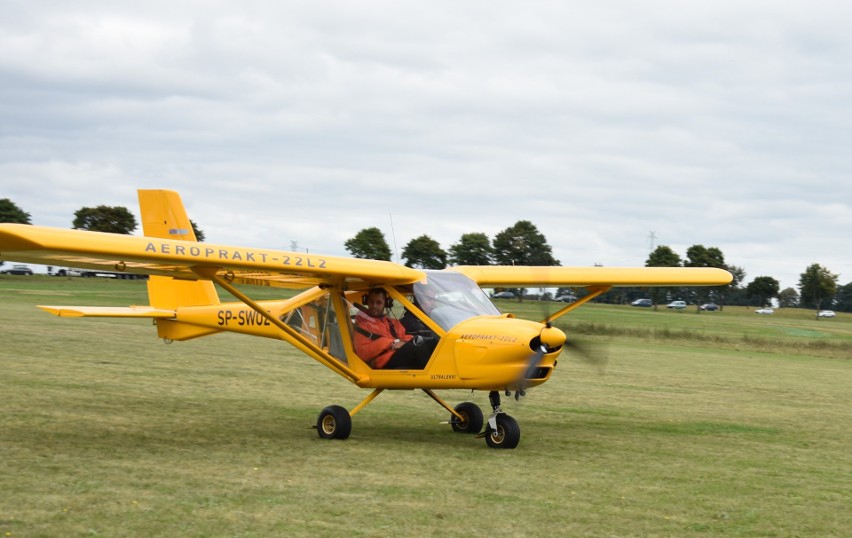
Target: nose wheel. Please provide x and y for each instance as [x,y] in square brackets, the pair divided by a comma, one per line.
[505,433]
[502,430]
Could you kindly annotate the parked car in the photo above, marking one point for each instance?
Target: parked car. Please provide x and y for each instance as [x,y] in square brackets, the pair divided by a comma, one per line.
[826,314]
[677,305]
[18,270]
[710,307]
[764,311]
[642,302]
[503,295]
[566,298]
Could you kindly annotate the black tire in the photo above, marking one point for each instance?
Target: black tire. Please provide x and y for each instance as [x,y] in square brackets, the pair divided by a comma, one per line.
[507,434]
[472,422]
[334,422]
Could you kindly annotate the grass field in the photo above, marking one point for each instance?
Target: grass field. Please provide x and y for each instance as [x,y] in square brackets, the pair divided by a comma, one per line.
[718,424]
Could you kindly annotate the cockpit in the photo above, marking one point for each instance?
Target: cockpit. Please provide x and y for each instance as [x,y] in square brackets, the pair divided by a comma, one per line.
[443,299]
[450,298]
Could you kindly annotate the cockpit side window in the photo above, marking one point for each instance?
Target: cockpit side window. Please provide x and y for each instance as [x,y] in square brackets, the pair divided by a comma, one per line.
[317,322]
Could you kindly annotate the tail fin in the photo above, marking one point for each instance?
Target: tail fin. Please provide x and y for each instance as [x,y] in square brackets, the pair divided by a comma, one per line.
[164,216]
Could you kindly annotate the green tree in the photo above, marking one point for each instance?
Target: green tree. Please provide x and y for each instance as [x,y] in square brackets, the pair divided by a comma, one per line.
[10,212]
[472,249]
[843,299]
[424,253]
[523,244]
[739,275]
[700,256]
[733,289]
[564,291]
[369,243]
[117,220]
[762,289]
[816,285]
[199,234]
[663,256]
[788,298]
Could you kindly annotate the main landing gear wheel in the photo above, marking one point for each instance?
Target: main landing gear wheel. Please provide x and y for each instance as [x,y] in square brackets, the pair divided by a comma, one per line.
[472,422]
[334,422]
[506,435]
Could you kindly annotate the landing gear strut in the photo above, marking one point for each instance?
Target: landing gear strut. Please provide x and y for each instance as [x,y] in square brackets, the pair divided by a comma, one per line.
[502,430]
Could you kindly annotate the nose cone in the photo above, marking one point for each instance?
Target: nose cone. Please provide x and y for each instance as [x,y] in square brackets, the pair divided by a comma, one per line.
[552,338]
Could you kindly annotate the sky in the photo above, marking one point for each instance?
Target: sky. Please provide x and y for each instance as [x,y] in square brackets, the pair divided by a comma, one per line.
[613,126]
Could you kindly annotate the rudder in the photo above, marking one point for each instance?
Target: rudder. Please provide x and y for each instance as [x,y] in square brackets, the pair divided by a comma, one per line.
[164,217]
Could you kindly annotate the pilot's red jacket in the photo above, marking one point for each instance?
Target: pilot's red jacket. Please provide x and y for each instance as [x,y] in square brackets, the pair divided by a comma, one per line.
[374,338]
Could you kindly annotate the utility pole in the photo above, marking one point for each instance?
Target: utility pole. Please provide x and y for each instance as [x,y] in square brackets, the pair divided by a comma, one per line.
[651,238]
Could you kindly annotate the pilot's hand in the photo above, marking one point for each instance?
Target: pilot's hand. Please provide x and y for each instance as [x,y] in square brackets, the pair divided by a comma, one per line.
[397,344]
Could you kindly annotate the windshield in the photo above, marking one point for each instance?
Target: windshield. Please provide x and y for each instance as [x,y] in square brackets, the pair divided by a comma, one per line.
[450,298]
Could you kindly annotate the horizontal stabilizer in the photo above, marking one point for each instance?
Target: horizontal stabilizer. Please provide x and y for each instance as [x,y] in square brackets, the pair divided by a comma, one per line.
[108,311]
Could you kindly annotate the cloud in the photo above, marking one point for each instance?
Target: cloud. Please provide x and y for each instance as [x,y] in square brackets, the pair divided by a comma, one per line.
[723,124]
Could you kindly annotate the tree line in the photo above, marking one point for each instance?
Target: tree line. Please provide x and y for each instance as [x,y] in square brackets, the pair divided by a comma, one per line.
[519,244]
[523,244]
[818,286]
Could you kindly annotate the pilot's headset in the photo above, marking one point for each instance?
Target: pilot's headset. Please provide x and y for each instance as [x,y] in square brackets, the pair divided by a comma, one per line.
[388,298]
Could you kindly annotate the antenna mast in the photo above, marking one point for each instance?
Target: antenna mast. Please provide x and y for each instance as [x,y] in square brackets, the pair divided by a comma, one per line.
[393,235]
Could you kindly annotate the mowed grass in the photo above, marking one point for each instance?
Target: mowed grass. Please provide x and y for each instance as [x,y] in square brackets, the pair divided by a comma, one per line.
[689,430]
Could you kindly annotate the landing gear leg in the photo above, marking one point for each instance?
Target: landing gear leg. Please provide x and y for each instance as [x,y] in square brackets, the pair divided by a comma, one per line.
[502,431]
[494,399]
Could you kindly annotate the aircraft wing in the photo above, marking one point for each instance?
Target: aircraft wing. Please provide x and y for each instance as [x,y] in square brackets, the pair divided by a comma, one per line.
[517,275]
[187,259]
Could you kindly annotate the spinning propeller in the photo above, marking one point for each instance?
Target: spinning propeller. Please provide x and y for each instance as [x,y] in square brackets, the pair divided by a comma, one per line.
[549,340]
[583,349]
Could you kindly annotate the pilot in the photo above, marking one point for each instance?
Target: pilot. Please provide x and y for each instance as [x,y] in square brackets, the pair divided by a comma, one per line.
[382,342]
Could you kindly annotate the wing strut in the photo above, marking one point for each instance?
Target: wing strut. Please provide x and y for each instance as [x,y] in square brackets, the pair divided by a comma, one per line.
[294,337]
[594,291]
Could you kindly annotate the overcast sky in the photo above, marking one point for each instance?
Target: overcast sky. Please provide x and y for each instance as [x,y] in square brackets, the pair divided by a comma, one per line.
[723,123]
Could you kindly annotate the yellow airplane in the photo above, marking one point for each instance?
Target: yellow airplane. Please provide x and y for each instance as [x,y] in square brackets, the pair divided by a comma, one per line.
[468,343]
